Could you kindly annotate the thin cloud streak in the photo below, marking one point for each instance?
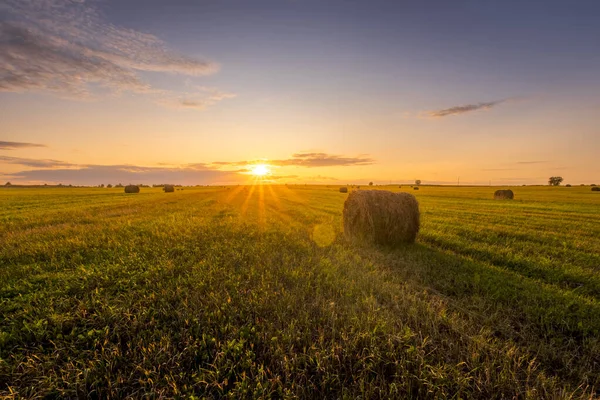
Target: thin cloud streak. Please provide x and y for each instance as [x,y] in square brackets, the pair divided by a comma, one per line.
[18,145]
[97,174]
[68,49]
[309,160]
[457,110]
[35,163]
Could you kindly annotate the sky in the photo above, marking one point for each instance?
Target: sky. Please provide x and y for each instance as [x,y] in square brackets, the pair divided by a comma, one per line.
[200,91]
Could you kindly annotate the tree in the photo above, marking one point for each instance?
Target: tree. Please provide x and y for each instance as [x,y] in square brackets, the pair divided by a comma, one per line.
[417,182]
[8,184]
[109,185]
[555,180]
[370,183]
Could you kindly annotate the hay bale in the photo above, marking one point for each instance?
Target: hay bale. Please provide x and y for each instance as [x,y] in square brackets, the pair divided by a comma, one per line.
[504,195]
[416,188]
[596,189]
[132,189]
[382,217]
[169,188]
[343,189]
[567,185]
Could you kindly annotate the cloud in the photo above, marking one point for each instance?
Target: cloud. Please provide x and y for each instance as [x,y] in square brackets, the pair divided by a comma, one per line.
[463,109]
[322,178]
[18,145]
[35,163]
[208,97]
[309,160]
[97,174]
[279,177]
[531,162]
[65,47]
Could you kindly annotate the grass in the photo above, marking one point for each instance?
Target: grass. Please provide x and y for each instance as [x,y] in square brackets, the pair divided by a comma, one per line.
[252,292]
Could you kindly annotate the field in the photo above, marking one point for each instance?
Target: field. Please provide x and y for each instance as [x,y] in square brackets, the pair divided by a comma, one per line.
[252,292]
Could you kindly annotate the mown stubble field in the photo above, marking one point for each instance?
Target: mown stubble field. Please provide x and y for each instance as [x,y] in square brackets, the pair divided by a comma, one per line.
[252,292]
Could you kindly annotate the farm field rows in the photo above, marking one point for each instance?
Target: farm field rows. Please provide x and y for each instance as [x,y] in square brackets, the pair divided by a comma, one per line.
[252,291]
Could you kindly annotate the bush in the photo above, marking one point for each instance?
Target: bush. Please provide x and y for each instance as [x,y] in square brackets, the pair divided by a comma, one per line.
[555,180]
[596,189]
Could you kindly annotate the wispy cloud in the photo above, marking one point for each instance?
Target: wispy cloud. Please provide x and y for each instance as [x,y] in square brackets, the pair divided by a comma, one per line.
[205,97]
[18,145]
[66,47]
[309,160]
[35,163]
[322,178]
[97,174]
[531,162]
[280,177]
[457,110]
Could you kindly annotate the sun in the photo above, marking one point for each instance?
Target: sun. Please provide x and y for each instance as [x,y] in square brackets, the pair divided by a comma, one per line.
[260,170]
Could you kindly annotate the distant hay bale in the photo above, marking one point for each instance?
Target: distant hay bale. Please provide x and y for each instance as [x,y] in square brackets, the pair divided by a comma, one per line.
[415,188]
[343,189]
[567,185]
[132,189]
[596,189]
[169,188]
[381,217]
[504,195]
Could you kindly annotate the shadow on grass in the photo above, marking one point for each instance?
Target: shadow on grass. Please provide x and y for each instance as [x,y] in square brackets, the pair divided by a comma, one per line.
[556,326]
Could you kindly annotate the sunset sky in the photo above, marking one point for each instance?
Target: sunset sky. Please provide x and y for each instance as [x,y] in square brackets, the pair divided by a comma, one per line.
[197,91]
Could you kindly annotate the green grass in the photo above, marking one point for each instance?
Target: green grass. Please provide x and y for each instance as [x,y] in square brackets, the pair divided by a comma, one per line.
[247,292]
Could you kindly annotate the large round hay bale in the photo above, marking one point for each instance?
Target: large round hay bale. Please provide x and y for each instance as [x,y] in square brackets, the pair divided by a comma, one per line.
[504,195]
[169,188]
[132,189]
[381,217]
[596,189]
[343,189]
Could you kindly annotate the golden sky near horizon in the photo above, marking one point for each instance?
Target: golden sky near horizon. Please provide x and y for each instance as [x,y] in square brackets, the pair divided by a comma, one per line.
[106,92]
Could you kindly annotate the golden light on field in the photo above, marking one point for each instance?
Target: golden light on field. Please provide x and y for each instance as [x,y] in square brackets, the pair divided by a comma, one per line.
[260,170]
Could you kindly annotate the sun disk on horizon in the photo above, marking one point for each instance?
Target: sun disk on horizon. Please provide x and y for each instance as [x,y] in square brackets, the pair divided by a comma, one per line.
[260,170]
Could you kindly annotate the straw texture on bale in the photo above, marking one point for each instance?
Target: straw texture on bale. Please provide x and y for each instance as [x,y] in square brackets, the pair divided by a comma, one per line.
[169,188]
[344,190]
[381,217]
[504,195]
[596,189]
[132,189]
